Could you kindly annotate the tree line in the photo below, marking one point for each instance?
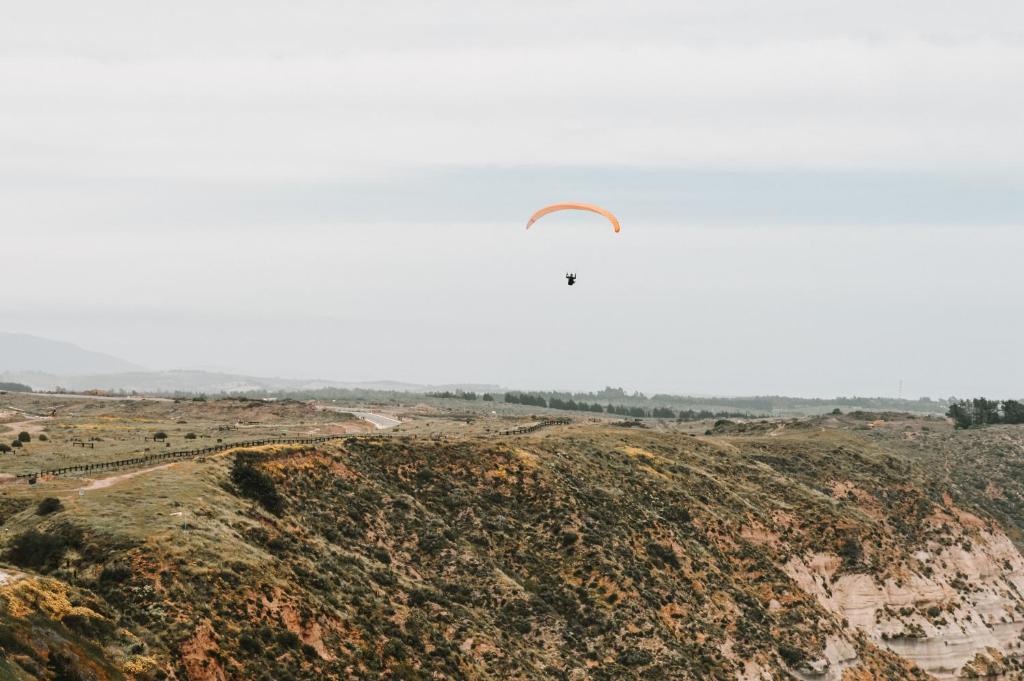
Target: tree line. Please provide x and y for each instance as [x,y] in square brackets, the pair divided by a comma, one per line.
[981,412]
[538,400]
[459,395]
[725,407]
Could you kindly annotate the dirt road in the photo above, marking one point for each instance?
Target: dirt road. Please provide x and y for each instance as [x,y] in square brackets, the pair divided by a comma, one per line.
[379,421]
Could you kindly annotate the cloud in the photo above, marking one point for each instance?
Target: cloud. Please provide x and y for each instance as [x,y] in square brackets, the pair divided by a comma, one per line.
[243,96]
[328,181]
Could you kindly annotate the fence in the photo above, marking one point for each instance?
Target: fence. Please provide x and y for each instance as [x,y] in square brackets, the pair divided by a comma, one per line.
[180,454]
[536,426]
[190,453]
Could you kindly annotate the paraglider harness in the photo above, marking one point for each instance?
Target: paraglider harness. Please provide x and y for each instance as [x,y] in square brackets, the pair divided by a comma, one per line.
[571,278]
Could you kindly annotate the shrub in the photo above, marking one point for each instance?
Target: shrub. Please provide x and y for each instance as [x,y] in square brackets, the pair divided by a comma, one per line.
[662,554]
[190,436]
[89,625]
[792,655]
[634,657]
[287,639]
[160,435]
[43,438]
[383,577]
[24,436]
[116,572]
[249,643]
[256,484]
[4,448]
[67,667]
[851,551]
[49,505]
[41,550]
[16,444]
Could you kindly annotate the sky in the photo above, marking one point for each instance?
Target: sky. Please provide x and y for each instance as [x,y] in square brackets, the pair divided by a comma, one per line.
[817,198]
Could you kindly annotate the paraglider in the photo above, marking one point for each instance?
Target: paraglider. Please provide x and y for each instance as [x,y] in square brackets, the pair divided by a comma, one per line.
[574,206]
[571,277]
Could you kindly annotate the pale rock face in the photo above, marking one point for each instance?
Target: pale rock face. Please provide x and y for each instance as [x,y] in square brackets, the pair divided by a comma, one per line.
[752,671]
[839,655]
[979,594]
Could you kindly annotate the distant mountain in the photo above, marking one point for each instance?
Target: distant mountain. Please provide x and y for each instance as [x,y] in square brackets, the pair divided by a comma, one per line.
[23,353]
[208,382]
[47,364]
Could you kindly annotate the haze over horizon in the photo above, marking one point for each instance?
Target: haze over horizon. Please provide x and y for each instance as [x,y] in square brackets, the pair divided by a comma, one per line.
[812,202]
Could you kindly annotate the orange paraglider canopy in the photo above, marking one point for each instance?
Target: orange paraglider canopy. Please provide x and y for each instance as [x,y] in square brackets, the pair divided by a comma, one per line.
[574,206]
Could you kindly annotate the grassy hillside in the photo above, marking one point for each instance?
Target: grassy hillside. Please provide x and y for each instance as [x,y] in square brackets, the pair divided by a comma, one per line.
[585,551]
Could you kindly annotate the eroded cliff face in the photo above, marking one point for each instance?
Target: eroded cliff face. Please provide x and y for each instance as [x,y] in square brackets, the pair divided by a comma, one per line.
[957,611]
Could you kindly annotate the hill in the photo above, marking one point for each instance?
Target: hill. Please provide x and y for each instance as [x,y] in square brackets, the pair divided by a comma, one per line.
[825,548]
[24,353]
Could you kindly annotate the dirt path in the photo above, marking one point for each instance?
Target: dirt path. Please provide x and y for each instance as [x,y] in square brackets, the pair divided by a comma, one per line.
[103,483]
[32,427]
[379,421]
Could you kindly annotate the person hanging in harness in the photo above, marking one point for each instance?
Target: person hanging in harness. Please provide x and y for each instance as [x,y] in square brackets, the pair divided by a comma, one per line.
[571,278]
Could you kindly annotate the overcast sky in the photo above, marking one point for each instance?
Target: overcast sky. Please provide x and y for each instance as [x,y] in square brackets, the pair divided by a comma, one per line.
[817,197]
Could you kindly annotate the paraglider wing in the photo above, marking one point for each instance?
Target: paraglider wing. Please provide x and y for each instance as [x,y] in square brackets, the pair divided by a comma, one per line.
[573,206]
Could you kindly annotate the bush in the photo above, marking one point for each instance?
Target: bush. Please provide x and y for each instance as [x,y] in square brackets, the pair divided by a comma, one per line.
[190,436]
[116,573]
[792,655]
[16,444]
[249,643]
[41,550]
[68,668]
[89,625]
[635,657]
[662,554]
[4,448]
[43,438]
[160,435]
[49,505]
[851,551]
[24,436]
[287,639]
[256,484]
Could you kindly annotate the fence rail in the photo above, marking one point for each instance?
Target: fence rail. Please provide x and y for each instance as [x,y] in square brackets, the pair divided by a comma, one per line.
[180,454]
[536,426]
[192,453]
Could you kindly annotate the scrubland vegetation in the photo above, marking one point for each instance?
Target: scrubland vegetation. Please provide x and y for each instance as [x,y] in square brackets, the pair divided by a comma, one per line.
[583,551]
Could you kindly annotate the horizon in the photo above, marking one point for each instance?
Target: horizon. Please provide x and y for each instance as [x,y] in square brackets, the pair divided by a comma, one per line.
[411,387]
